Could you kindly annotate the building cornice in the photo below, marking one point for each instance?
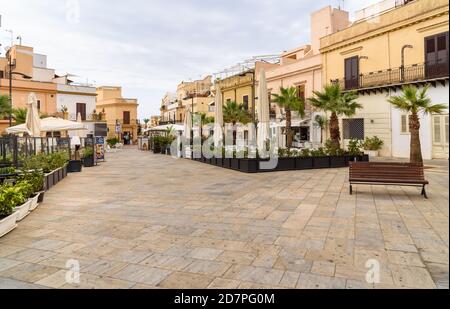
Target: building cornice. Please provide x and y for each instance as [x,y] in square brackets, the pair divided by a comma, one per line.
[394,26]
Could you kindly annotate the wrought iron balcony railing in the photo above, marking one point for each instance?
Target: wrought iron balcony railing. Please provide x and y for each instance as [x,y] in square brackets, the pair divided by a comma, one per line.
[396,76]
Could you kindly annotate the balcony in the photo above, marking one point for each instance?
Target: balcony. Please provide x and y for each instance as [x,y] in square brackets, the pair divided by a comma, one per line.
[396,78]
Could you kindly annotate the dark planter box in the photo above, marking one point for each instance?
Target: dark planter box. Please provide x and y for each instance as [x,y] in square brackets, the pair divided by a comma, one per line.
[64,171]
[227,163]
[286,164]
[338,161]
[49,181]
[304,163]
[88,162]
[219,162]
[350,158]
[56,177]
[75,166]
[61,174]
[321,162]
[365,158]
[41,197]
[235,164]
[249,165]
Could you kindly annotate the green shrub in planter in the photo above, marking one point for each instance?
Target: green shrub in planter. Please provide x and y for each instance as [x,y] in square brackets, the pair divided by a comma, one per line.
[373,144]
[112,142]
[355,147]
[11,197]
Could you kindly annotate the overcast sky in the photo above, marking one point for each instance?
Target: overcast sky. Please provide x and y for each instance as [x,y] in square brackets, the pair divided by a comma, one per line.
[148,47]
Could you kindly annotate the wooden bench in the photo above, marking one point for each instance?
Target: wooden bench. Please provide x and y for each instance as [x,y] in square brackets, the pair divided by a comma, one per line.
[400,174]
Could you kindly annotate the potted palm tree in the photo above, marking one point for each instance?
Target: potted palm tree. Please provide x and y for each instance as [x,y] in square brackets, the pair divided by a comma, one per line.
[20,115]
[321,122]
[332,99]
[415,101]
[235,113]
[289,100]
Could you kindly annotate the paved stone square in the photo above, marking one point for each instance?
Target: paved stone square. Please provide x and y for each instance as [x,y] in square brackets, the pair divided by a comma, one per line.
[149,221]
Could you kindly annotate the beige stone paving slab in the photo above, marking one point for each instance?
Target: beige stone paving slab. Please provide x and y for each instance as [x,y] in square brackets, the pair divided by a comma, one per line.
[258,275]
[89,281]
[180,280]
[30,273]
[6,264]
[31,255]
[221,283]
[412,277]
[212,268]
[323,268]
[288,225]
[311,281]
[142,274]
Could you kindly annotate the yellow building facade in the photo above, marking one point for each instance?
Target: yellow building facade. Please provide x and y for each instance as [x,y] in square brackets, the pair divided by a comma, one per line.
[121,113]
[387,47]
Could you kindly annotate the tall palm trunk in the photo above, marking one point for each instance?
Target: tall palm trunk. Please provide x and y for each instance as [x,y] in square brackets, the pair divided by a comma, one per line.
[416,147]
[289,133]
[335,133]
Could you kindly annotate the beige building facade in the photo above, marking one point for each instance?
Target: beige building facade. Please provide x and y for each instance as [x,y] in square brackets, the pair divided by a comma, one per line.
[302,68]
[121,113]
[393,44]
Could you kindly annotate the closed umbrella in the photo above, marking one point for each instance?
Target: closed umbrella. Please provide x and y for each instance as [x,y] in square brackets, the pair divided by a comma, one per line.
[263,112]
[188,126]
[218,119]
[33,121]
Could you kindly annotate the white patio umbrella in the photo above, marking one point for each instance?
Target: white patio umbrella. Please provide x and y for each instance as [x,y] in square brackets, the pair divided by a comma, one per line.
[50,125]
[33,121]
[263,112]
[218,119]
[77,134]
[188,124]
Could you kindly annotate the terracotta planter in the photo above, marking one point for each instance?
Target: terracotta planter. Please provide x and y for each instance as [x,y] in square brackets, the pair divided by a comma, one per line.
[8,224]
[23,211]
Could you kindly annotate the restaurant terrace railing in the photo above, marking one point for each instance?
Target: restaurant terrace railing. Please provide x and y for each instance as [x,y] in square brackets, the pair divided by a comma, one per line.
[396,76]
[13,148]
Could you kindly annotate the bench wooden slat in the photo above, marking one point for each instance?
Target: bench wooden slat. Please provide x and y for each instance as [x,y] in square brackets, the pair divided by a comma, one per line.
[387,173]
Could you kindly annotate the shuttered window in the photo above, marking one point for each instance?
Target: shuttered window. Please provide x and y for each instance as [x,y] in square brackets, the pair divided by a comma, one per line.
[127,118]
[354,129]
[81,109]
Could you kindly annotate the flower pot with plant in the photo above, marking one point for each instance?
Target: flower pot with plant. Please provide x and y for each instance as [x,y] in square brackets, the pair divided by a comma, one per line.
[88,157]
[23,191]
[354,151]
[8,216]
[36,179]
[372,146]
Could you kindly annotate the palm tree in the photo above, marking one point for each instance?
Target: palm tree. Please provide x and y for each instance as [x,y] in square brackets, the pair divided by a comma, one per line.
[20,115]
[413,102]
[339,103]
[206,119]
[290,101]
[5,108]
[235,113]
[321,122]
